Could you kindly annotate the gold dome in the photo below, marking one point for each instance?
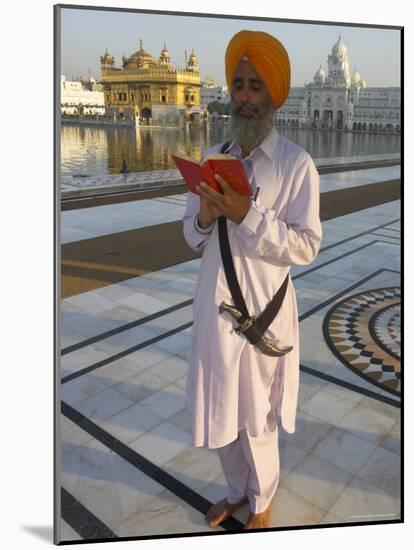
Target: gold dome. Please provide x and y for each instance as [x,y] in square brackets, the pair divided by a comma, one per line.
[164,51]
[141,52]
[140,57]
[107,59]
[192,64]
[165,56]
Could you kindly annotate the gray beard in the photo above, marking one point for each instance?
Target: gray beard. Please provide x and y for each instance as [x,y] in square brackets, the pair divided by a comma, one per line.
[248,132]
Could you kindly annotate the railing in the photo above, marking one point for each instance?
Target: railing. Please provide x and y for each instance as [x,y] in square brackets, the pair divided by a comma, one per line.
[98,119]
[376,118]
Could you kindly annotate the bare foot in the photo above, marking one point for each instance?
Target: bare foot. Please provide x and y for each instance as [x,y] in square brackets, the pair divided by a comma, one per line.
[221,511]
[258,521]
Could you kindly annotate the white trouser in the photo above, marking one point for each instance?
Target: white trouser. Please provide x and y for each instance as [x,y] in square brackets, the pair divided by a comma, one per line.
[251,467]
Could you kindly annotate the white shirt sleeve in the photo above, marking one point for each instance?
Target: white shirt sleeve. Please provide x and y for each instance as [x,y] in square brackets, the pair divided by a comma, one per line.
[296,240]
[195,236]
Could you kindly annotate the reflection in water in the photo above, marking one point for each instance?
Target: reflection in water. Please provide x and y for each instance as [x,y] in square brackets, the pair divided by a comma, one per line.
[99,151]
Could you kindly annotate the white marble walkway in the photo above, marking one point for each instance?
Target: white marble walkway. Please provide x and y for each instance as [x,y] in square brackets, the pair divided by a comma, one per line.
[341,465]
[86,223]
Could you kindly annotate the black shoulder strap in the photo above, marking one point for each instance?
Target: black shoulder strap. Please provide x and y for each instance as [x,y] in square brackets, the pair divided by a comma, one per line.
[225,146]
[229,270]
[257,329]
[227,259]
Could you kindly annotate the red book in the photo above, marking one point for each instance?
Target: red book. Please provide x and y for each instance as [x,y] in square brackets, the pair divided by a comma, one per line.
[226,166]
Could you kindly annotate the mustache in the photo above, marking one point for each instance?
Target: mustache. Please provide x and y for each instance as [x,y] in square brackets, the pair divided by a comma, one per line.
[245,105]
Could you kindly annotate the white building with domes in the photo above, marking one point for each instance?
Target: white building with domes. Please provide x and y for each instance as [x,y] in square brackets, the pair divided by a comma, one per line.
[341,100]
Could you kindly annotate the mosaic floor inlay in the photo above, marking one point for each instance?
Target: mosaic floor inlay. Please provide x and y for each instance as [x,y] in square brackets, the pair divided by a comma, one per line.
[363,331]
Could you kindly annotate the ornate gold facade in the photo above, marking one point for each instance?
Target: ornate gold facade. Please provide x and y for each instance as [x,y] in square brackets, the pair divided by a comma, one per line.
[148,88]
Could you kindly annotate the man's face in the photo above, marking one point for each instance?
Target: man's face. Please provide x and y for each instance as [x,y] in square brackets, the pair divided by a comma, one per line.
[251,107]
[249,93]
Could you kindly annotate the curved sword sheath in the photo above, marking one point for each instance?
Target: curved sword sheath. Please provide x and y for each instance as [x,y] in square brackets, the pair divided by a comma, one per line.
[252,328]
[264,344]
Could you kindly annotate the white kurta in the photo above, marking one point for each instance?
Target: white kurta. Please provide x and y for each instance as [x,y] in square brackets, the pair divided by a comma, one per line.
[230,384]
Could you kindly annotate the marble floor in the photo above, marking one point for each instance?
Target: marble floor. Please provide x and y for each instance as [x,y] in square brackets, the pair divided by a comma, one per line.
[127,466]
[85,223]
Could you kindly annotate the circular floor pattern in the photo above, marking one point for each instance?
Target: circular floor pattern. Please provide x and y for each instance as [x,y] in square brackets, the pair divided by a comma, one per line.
[364,332]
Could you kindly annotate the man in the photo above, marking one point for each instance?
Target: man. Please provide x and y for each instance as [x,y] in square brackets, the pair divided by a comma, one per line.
[234,391]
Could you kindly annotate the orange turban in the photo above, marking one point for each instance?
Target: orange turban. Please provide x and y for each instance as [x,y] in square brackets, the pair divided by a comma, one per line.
[269,58]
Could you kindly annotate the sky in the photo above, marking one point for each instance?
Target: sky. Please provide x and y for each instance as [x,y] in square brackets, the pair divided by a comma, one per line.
[87,33]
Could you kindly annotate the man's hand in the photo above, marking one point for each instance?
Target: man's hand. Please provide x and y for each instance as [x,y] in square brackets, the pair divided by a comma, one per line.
[231,204]
[208,213]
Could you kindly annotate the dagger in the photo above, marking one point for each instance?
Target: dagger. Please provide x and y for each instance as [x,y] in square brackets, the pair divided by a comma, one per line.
[264,344]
